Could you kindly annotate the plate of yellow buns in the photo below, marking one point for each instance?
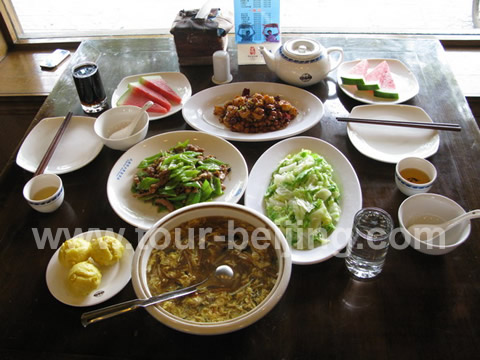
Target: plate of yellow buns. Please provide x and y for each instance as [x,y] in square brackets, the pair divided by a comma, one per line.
[90,268]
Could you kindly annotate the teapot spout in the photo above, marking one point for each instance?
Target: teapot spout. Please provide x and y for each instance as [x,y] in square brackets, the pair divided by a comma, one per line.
[269,58]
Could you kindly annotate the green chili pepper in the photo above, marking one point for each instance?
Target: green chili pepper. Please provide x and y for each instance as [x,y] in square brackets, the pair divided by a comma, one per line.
[183,167]
[207,191]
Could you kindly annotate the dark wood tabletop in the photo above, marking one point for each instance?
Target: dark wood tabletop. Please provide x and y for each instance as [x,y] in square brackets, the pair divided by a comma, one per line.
[420,307]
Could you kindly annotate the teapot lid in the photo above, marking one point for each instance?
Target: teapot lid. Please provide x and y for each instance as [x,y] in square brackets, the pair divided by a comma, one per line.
[302,49]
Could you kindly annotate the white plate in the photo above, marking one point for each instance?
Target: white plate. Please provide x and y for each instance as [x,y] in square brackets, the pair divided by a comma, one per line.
[144,215]
[405,82]
[78,146]
[176,80]
[344,176]
[114,277]
[390,144]
[198,111]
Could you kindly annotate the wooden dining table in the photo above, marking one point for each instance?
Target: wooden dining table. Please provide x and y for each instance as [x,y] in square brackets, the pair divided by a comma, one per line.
[420,307]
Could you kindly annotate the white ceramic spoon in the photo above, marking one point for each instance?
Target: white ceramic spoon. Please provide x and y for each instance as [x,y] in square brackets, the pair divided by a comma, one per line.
[443,227]
[127,130]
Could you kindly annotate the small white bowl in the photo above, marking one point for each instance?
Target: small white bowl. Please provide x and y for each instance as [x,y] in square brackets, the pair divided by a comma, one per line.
[116,119]
[51,199]
[432,208]
[232,211]
[410,188]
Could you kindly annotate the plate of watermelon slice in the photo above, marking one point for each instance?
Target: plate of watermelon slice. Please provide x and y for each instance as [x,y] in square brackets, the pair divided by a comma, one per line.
[168,90]
[377,81]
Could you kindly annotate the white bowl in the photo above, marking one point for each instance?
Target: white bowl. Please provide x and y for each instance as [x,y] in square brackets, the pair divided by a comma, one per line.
[48,201]
[180,216]
[432,208]
[408,187]
[116,119]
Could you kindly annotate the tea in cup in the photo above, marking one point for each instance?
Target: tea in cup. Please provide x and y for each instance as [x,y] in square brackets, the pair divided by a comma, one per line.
[44,192]
[414,175]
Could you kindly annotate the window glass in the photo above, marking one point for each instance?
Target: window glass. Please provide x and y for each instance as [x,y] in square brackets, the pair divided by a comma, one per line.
[72,18]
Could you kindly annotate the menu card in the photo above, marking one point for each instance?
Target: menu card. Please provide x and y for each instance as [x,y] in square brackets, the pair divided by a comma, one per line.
[257,23]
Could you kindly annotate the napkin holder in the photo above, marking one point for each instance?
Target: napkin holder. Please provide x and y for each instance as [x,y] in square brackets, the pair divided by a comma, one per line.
[196,39]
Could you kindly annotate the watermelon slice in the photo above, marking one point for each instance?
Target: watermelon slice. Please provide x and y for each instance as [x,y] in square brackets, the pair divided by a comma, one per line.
[129,98]
[139,89]
[381,74]
[387,87]
[371,81]
[356,75]
[156,82]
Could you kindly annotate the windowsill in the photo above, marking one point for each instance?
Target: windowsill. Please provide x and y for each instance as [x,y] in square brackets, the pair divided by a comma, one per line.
[54,42]
[21,75]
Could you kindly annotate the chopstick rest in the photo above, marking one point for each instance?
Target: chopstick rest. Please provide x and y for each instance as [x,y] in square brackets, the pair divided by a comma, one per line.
[421,125]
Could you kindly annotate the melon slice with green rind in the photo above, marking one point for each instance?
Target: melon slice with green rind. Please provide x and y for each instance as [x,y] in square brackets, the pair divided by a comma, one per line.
[157,83]
[129,98]
[356,75]
[138,88]
[382,76]
[387,87]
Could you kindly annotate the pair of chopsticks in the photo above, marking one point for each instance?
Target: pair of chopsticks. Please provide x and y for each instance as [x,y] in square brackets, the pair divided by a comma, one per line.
[421,125]
[53,145]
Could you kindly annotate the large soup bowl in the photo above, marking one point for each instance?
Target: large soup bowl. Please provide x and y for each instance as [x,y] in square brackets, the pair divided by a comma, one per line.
[153,237]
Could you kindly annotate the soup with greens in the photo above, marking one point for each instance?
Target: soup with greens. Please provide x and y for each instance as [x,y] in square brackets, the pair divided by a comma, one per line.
[195,249]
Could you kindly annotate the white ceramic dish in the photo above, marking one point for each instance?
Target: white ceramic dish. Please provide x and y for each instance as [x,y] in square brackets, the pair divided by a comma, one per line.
[432,208]
[117,118]
[176,80]
[114,277]
[144,215]
[198,111]
[180,216]
[405,81]
[344,176]
[78,146]
[390,144]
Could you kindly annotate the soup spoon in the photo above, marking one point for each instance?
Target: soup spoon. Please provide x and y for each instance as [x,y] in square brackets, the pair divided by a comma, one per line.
[222,277]
[127,130]
[426,229]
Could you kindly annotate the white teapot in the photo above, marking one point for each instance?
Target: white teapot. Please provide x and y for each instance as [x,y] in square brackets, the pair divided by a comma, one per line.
[301,62]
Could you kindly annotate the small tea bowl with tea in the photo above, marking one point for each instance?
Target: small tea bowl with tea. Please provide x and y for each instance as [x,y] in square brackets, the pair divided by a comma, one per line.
[44,192]
[414,175]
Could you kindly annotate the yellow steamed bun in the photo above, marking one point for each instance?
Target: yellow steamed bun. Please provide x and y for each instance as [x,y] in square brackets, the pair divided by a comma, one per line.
[84,277]
[74,251]
[106,250]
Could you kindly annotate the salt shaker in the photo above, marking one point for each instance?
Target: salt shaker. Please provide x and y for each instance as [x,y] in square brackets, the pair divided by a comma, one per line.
[221,67]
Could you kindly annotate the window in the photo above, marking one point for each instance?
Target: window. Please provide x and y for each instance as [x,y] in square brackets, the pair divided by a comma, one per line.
[70,18]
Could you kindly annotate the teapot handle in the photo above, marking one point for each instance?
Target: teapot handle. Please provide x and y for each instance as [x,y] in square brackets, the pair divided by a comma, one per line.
[340,58]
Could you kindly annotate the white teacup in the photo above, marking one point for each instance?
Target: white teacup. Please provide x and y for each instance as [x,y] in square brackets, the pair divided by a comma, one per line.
[405,183]
[44,192]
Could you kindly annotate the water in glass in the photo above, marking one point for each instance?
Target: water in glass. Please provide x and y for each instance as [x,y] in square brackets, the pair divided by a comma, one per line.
[368,246]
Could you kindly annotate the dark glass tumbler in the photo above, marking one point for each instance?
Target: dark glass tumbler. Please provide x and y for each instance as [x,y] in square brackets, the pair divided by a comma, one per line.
[89,87]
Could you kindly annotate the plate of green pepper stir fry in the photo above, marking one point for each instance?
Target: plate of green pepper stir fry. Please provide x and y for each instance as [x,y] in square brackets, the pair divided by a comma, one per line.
[172,170]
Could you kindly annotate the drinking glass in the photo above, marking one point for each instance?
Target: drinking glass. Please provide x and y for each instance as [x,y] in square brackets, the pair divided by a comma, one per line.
[89,87]
[368,245]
